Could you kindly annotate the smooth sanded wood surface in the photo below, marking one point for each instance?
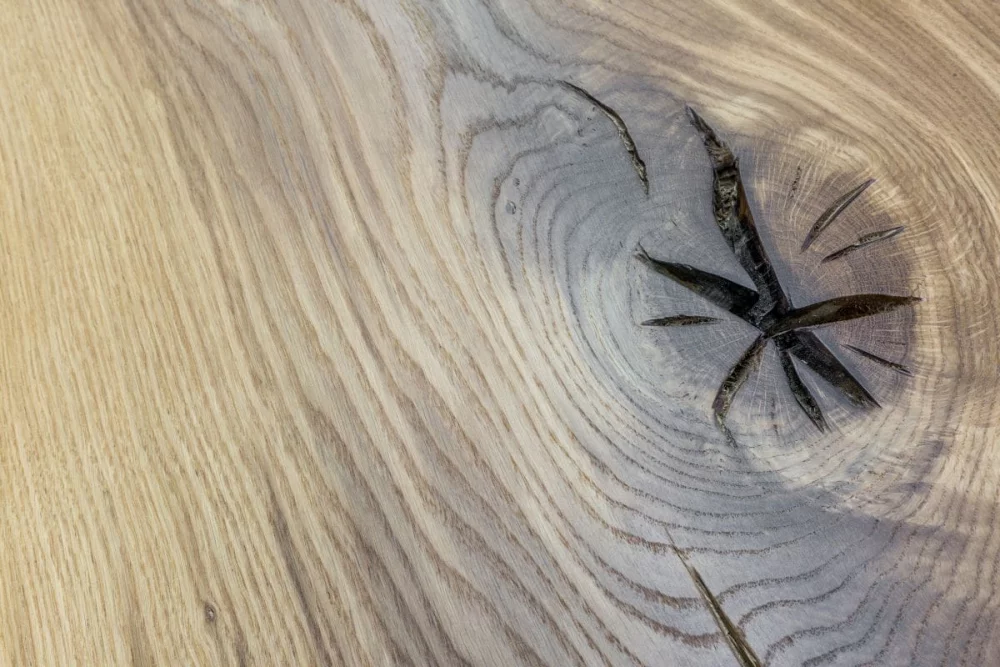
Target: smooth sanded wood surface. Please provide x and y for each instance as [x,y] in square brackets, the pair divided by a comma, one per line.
[322,342]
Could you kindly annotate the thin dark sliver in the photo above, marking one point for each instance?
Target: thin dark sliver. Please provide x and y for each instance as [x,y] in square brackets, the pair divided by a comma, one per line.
[899,368]
[680,321]
[735,220]
[805,399]
[737,377]
[816,355]
[831,214]
[623,133]
[864,241]
[718,151]
[839,309]
[734,636]
[720,291]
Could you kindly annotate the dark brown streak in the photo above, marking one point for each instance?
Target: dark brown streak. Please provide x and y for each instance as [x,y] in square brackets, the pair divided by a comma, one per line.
[138,641]
[816,355]
[295,569]
[836,208]
[899,368]
[735,220]
[737,377]
[866,240]
[623,133]
[242,650]
[801,392]
[839,309]
[680,321]
[734,636]
[725,294]
[795,183]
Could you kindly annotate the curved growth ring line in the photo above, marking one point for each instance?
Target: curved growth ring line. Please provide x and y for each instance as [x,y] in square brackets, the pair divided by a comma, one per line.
[768,307]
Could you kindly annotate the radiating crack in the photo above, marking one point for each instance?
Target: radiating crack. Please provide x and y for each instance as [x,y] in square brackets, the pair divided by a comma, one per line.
[768,308]
[839,309]
[735,219]
[737,377]
[680,321]
[836,208]
[866,240]
[809,349]
[899,368]
[719,291]
[801,392]
[623,133]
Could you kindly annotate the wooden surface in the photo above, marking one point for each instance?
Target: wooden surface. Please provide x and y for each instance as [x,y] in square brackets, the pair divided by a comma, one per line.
[321,342]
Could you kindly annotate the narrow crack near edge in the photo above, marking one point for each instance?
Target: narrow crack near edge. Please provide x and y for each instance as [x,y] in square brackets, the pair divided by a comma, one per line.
[899,368]
[623,133]
[828,216]
[680,321]
[864,241]
[734,636]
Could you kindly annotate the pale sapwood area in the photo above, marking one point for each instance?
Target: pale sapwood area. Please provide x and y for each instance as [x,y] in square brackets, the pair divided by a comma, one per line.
[324,344]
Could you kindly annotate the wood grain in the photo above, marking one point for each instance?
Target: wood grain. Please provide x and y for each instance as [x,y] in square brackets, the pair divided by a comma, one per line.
[323,343]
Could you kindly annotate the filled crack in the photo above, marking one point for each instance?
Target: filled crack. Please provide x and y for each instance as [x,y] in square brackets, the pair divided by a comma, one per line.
[864,241]
[623,133]
[768,307]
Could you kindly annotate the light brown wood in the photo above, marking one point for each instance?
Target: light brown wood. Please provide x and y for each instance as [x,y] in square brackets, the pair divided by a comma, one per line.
[322,344]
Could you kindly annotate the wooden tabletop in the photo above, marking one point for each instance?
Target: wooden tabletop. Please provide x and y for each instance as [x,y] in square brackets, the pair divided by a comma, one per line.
[324,342]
